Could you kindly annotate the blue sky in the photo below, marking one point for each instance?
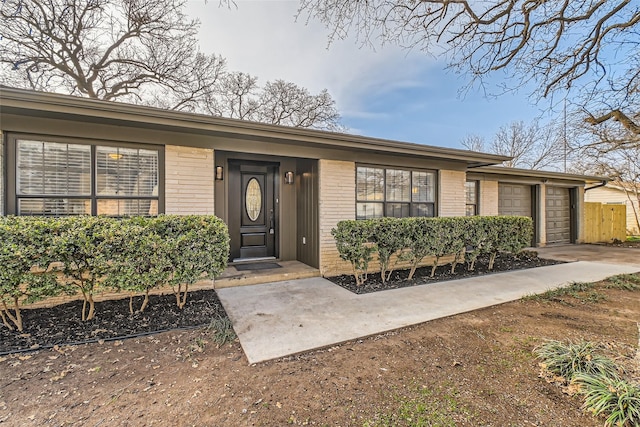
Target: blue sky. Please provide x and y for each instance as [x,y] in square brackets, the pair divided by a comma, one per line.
[386,93]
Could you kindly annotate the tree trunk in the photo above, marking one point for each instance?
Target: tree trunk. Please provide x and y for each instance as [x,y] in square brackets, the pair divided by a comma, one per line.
[435,265]
[177,294]
[92,307]
[84,307]
[5,321]
[412,271]
[472,265]
[182,303]
[492,259]
[145,302]
[16,309]
[17,319]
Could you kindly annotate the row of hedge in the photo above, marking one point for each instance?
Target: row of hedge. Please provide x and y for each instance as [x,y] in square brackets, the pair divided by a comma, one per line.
[44,257]
[414,239]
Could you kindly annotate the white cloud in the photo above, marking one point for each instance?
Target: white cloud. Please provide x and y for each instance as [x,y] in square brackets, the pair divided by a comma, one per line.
[263,39]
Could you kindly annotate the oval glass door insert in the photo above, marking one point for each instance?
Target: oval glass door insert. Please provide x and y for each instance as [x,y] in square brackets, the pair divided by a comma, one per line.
[253,199]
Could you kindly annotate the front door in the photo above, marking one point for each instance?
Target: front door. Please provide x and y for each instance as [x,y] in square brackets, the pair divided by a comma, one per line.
[252,210]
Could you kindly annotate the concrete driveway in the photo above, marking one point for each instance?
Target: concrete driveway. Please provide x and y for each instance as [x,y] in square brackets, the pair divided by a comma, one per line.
[598,253]
[279,319]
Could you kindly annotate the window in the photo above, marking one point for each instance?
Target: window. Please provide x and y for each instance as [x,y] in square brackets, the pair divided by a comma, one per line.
[471,191]
[75,178]
[394,192]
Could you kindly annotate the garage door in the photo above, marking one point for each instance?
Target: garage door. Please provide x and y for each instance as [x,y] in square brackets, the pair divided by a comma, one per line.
[558,213]
[514,199]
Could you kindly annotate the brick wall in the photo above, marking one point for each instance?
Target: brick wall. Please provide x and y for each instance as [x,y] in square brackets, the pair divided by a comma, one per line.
[488,197]
[337,202]
[451,199]
[189,180]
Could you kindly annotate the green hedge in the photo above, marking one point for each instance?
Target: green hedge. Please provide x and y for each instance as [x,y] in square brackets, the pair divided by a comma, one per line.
[43,257]
[414,239]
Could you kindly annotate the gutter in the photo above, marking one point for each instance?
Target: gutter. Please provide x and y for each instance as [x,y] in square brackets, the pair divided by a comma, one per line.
[602,184]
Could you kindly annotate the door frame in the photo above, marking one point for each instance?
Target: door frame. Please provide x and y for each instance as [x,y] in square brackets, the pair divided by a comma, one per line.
[234,198]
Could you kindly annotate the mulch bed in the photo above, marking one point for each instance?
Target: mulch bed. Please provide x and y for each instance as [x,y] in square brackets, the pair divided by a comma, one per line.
[503,262]
[62,324]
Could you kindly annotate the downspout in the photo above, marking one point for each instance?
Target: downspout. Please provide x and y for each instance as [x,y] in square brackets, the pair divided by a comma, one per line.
[602,184]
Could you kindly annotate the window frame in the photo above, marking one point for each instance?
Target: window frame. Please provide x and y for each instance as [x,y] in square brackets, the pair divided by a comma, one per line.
[385,202]
[475,205]
[11,151]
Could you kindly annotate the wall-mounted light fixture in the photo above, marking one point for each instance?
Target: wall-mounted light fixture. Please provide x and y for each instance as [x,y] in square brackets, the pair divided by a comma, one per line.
[288,177]
[219,173]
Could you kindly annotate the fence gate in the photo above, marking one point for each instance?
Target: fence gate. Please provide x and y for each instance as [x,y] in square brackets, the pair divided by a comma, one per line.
[604,222]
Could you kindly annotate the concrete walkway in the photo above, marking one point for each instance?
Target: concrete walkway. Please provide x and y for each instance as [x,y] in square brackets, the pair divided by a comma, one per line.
[283,318]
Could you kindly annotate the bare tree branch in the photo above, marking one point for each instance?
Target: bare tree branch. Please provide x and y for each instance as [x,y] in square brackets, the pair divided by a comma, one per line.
[145,52]
[586,48]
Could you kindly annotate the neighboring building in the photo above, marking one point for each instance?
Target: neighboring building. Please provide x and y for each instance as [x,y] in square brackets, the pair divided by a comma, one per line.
[615,194]
[279,189]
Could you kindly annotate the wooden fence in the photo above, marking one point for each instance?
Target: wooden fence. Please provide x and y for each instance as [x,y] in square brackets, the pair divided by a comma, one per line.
[604,222]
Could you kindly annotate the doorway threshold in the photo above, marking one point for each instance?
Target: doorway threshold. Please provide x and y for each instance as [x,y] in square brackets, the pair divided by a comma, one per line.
[254,259]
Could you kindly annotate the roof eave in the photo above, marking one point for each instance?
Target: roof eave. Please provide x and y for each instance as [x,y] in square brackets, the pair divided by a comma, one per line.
[501,170]
[20,100]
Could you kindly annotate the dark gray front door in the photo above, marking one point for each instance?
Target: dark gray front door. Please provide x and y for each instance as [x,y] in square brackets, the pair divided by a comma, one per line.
[252,210]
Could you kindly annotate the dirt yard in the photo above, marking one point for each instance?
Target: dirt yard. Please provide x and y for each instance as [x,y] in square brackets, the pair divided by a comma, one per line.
[474,369]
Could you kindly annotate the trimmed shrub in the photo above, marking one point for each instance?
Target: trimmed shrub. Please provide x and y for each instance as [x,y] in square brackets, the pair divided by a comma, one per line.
[24,245]
[83,245]
[421,234]
[418,237]
[133,254]
[353,240]
[390,238]
[198,248]
[139,260]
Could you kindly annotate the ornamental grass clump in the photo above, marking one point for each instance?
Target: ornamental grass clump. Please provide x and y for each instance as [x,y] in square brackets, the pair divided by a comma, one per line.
[609,396]
[594,376]
[566,359]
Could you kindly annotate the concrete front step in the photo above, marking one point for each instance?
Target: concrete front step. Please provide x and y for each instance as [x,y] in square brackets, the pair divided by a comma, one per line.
[290,270]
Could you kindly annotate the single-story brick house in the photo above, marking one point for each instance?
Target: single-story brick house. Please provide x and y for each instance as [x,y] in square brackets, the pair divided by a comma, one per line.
[280,190]
[616,194]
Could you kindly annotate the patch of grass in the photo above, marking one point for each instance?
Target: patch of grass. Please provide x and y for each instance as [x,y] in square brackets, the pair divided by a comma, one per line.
[566,359]
[627,282]
[583,292]
[633,239]
[612,397]
[222,331]
[423,410]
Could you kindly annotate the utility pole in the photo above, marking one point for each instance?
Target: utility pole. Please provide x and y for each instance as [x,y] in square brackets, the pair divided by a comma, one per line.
[564,133]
